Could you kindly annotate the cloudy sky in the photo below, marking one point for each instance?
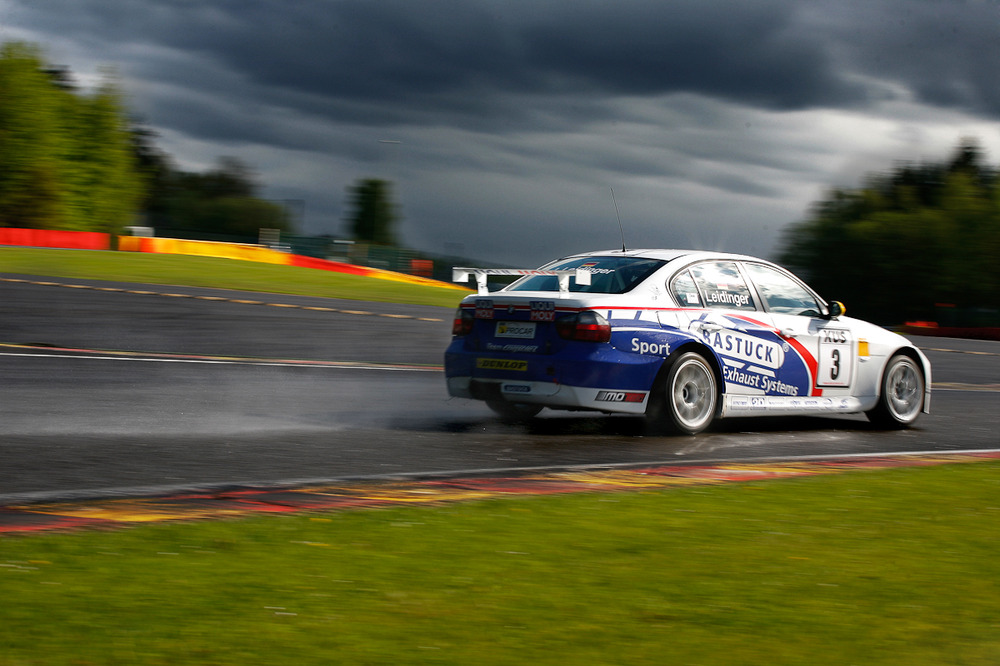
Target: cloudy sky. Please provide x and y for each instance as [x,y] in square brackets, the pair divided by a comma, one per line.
[504,124]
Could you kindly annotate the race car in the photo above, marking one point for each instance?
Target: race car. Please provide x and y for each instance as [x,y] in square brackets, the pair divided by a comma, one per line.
[682,337]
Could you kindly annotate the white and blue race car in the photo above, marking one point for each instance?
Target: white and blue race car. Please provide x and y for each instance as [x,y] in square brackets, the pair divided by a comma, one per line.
[683,337]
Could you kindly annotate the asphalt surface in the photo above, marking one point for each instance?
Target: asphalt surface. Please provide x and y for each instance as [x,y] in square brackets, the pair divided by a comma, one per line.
[117,392]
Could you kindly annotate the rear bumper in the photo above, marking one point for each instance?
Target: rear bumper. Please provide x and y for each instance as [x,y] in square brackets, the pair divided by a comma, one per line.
[555,396]
[584,376]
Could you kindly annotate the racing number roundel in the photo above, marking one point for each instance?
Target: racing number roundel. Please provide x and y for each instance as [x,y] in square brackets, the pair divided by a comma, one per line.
[836,357]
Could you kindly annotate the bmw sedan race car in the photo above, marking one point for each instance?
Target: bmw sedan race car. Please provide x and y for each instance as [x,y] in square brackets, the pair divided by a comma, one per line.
[682,337]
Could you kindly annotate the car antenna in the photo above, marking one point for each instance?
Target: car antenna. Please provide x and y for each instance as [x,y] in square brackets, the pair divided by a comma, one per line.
[620,227]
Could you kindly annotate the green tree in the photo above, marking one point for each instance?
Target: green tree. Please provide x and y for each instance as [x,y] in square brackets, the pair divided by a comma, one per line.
[919,236]
[372,214]
[106,186]
[66,160]
[219,202]
[32,142]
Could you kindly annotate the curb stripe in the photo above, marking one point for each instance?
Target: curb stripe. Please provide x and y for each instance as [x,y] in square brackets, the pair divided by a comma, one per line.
[346,495]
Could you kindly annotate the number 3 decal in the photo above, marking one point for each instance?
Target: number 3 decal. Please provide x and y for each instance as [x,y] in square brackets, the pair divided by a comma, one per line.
[836,358]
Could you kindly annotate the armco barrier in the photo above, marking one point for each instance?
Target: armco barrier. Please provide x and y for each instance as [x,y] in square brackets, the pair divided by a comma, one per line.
[70,240]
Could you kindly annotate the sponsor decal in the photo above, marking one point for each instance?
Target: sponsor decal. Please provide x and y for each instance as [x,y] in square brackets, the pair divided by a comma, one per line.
[745,347]
[836,336]
[512,348]
[785,405]
[515,329]
[515,388]
[758,381]
[651,348]
[501,364]
[484,308]
[543,311]
[591,267]
[620,396]
[728,298]
[836,357]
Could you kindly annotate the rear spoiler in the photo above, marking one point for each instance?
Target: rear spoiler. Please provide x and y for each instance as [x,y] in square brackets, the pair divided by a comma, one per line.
[481,274]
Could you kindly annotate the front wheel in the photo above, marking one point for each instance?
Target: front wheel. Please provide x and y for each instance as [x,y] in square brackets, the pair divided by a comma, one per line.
[685,400]
[902,394]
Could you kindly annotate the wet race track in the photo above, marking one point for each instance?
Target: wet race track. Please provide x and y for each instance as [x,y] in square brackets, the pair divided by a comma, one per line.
[109,391]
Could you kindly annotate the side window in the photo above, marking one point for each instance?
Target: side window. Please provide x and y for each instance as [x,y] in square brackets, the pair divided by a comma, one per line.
[782,293]
[722,286]
[685,292]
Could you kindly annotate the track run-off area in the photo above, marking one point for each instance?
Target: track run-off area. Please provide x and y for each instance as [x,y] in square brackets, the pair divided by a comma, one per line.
[218,402]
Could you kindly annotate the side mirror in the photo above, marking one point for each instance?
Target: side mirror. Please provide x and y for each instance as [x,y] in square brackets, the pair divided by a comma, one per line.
[835,309]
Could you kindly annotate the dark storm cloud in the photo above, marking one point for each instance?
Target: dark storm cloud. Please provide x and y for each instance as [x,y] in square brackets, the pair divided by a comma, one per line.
[947,52]
[402,62]
[458,58]
[724,117]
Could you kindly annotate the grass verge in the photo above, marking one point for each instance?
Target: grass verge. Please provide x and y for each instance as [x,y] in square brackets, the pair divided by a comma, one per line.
[877,567]
[172,269]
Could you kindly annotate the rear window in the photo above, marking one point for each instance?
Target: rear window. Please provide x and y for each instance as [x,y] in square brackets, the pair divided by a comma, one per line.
[609,275]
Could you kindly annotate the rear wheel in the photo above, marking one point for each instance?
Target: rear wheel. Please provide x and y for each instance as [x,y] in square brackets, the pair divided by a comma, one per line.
[902,394]
[513,411]
[686,398]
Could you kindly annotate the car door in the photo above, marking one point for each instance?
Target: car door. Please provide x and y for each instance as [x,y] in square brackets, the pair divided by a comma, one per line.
[827,346]
[730,322]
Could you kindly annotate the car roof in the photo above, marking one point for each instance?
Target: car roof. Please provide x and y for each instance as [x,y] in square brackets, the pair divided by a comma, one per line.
[667,255]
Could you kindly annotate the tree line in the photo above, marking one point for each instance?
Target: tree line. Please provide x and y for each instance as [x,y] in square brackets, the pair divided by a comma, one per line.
[921,242]
[76,161]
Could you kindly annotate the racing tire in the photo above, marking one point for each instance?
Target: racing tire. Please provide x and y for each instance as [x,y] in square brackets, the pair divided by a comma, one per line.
[685,400]
[901,398]
[514,412]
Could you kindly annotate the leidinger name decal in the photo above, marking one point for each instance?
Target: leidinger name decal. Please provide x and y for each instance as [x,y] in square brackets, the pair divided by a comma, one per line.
[746,348]
[728,298]
[500,364]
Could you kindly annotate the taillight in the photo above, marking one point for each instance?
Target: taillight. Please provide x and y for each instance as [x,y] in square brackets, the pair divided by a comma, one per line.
[586,326]
[463,322]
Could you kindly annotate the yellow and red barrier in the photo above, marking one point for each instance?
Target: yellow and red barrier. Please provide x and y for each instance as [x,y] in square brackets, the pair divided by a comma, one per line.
[266,255]
[241,251]
[85,240]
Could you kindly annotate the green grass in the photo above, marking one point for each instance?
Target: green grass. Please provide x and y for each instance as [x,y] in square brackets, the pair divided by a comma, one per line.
[192,271]
[889,567]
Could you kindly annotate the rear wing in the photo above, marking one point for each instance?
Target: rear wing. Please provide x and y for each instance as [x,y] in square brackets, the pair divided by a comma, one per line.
[581,275]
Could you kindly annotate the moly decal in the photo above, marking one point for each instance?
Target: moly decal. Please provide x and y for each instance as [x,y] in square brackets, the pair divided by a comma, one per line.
[484,308]
[543,311]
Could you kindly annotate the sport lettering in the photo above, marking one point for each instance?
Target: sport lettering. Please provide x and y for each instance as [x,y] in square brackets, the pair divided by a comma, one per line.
[652,348]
